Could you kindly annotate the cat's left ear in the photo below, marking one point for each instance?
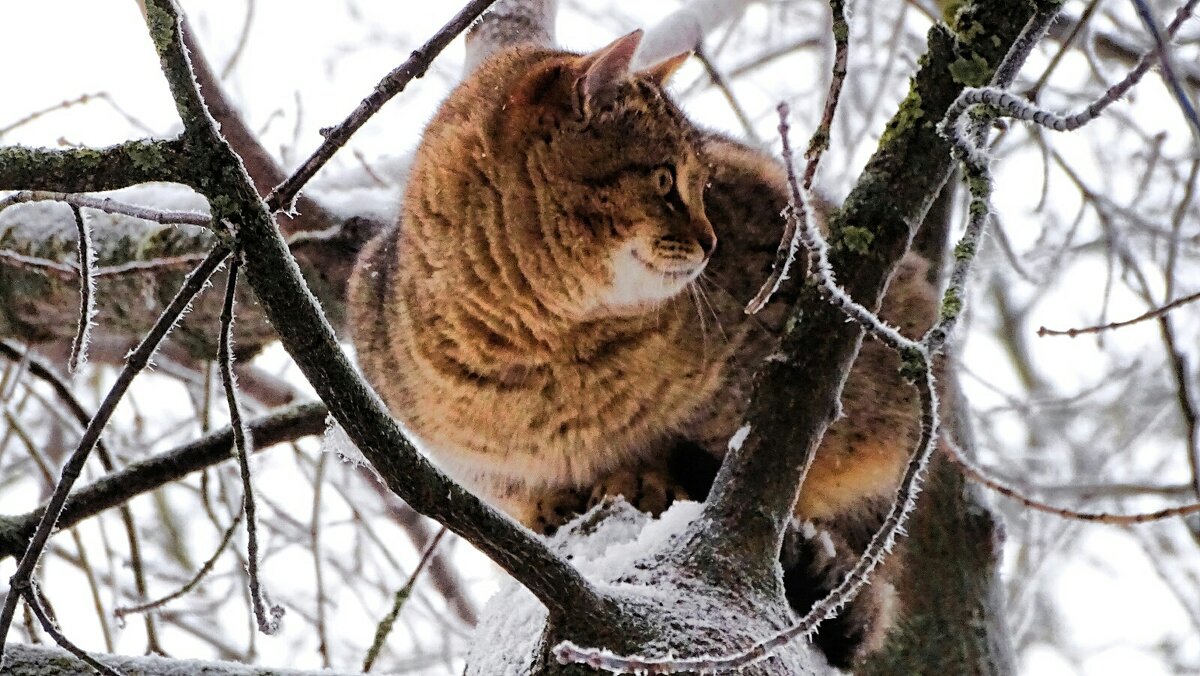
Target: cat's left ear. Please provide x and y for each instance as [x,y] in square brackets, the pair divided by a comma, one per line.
[602,71]
[662,71]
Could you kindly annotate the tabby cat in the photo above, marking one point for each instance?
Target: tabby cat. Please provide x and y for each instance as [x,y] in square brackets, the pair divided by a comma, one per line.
[558,314]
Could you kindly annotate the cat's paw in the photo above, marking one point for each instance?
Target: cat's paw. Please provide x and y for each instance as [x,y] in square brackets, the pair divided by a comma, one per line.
[649,490]
[555,508]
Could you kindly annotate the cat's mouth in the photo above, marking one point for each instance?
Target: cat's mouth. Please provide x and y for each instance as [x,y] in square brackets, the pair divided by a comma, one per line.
[673,271]
[640,281]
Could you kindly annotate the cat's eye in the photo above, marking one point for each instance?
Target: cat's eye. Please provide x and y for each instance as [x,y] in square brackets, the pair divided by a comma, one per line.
[663,179]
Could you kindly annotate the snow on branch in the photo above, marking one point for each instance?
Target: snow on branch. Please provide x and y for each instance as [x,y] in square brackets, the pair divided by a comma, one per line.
[685,28]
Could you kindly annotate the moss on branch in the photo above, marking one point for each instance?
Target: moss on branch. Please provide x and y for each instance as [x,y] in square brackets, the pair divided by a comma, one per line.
[91,169]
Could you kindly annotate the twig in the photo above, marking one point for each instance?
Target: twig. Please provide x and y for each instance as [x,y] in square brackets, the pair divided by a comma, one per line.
[284,195]
[87,289]
[402,594]
[109,206]
[151,265]
[46,373]
[32,599]
[817,145]
[1065,45]
[63,271]
[1016,108]
[242,448]
[1168,71]
[314,534]
[190,584]
[981,476]
[152,473]
[20,581]
[841,54]
[722,86]
[81,99]
[1152,314]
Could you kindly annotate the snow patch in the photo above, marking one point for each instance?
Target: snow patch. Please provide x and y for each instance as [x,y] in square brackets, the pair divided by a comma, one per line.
[603,544]
[739,438]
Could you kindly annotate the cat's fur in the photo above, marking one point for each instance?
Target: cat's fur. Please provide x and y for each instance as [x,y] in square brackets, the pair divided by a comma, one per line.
[536,320]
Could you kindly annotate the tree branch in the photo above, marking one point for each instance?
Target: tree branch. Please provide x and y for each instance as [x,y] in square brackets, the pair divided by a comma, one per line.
[308,337]
[284,195]
[28,660]
[92,169]
[121,486]
[754,494]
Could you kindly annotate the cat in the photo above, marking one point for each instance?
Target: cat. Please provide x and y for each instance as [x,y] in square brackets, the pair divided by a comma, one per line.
[557,315]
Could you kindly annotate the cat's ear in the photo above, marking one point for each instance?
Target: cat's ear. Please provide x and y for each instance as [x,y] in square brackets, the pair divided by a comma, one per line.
[662,71]
[603,70]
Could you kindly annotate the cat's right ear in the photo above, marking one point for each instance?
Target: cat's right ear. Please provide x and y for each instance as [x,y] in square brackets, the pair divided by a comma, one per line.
[601,72]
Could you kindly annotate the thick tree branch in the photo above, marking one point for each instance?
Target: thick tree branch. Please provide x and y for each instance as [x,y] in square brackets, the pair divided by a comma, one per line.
[756,489]
[308,337]
[139,264]
[266,174]
[92,169]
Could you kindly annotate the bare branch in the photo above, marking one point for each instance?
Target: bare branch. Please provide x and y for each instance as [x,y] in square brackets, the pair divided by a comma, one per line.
[90,169]
[137,361]
[1151,314]
[981,476]
[402,594]
[109,206]
[283,197]
[87,290]
[1168,70]
[786,252]
[288,424]
[242,448]
[192,583]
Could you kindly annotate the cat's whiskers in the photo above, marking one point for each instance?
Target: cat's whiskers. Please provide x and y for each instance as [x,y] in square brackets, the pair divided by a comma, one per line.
[694,294]
[725,292]
[702,279]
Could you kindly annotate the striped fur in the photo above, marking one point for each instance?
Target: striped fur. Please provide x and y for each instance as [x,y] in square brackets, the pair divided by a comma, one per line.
[545,317]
